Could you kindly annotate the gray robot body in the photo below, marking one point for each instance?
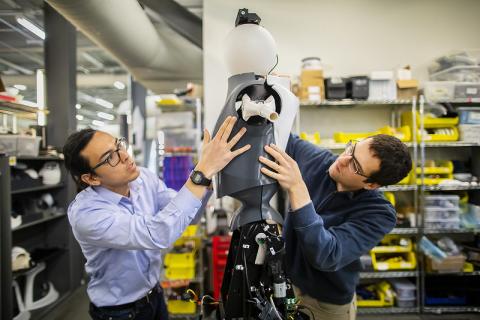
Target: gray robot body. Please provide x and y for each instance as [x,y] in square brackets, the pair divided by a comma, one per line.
[242,178]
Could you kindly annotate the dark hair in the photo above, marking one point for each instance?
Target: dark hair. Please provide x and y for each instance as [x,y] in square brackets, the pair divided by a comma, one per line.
[395,160]
[74,162]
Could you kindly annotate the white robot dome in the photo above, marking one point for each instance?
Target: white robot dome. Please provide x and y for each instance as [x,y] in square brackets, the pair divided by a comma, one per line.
[249,48]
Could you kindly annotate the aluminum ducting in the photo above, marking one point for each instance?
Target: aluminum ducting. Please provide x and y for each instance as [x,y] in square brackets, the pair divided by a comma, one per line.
[122,28]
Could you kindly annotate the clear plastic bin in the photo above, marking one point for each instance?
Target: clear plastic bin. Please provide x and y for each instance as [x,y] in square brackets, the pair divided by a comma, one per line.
[406,303]
[28,146]
[470,132]
[444,201]
[8,144]
[435,213]
[442,223]
[403,288]
[466,90]
[469,115]
[439,90]
[458,73]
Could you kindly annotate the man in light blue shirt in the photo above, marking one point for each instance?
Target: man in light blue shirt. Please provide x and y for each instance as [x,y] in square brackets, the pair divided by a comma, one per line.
[124,215]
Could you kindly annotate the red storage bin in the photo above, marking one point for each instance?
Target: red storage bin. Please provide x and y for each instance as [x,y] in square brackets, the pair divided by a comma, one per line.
[220,247]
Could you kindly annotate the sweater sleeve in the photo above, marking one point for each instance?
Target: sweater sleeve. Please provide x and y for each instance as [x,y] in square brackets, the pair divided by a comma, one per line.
[333,248]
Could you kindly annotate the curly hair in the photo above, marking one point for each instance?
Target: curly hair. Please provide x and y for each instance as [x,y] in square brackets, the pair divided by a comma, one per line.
[395,160]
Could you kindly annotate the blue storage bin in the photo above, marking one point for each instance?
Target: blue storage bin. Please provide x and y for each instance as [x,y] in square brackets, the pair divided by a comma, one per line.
[469,115]
[446,301]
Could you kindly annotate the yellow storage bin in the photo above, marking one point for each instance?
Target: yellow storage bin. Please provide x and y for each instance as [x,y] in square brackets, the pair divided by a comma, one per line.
[393,261]
[409,179]
[435,172]
[384,294]
[173,273]
[453,135]
[390,197]
[190,231]
[437,167]
[180,260]
[312,138]
[345,137]
[393,243]
[181,307]
[403,133]
[428,121]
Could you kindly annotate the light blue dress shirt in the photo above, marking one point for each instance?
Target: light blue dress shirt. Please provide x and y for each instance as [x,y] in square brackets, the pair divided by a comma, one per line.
[121,237]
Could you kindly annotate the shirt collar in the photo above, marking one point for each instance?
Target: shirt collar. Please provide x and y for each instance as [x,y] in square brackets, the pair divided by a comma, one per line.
[108,194]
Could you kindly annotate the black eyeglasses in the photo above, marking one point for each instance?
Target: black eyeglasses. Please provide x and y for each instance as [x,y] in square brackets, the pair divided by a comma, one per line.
[113,158]
[350,151]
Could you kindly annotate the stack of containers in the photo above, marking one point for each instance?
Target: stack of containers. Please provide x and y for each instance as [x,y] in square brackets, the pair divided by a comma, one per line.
[454,76]
[312,86]
[382,86]
[442,212]
[469,126]
[404,293]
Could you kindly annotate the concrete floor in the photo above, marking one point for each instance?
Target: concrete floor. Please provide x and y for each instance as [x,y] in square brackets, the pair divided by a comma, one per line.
[76,308]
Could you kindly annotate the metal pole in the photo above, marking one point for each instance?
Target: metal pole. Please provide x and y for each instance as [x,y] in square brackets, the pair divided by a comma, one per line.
[6,301]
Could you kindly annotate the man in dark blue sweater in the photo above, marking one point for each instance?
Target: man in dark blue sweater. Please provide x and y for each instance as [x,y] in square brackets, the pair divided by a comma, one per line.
[337,214]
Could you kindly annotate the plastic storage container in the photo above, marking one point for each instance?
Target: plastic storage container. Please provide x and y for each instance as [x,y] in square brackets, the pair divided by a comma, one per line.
[469,115]
[28,146]
[469,132]
[406,303]
[428,121]
[335,88]
[439,90]
[453,223]
[444,201]
[357,87]
[438,213]
[458,73]
[8,144]
[312,63]
[467,90]
[382,86]
[404,289]
[181,307]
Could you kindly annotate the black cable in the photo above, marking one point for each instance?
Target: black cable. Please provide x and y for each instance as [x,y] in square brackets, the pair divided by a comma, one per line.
[276,63]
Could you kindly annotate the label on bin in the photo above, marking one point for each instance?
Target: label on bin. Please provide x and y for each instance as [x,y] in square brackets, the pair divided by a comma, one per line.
[472,91]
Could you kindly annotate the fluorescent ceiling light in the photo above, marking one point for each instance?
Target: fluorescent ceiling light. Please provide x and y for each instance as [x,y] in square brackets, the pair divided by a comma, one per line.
[78,106]
[98,123]
[104,103]
[31,27]
[20,87]
[16,67]
[119,85]
[79,117]
[92,60]
[106,116]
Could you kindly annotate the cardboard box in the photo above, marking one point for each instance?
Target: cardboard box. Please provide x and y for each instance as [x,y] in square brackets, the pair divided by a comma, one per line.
[311,74]
[314,92]
[406,89]
[448,265]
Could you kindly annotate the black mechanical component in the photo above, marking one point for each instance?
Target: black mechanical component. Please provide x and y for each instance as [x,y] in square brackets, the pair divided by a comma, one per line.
[255,284]
[244,17]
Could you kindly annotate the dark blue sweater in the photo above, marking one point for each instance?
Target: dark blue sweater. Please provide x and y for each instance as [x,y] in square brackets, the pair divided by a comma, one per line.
[325,239]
